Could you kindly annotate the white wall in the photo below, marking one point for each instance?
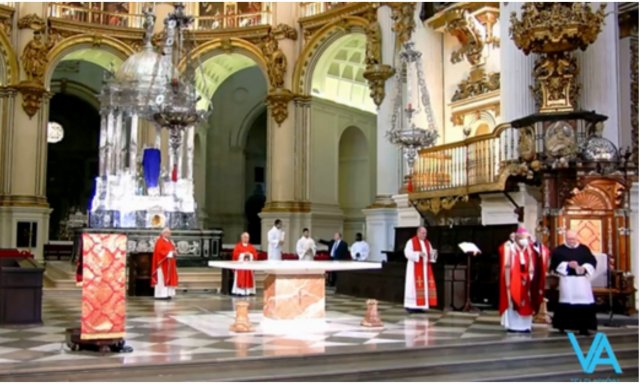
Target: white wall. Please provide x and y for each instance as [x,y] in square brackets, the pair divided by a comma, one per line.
[328,123]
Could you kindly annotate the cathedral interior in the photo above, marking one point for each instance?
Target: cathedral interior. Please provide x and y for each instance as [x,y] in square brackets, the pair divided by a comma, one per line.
[470,118]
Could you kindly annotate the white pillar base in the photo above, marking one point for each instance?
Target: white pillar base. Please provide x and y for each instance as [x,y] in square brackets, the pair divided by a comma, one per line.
[408,216]
[381,223]
[11,216]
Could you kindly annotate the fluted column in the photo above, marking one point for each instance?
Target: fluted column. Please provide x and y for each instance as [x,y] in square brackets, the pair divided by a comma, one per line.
[598,74]
[516,71]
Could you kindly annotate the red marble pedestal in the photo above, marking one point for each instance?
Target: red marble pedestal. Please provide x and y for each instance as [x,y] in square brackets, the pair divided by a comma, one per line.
[294,296]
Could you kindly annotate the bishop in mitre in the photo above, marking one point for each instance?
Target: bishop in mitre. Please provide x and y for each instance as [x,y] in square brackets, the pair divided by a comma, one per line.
[243,281]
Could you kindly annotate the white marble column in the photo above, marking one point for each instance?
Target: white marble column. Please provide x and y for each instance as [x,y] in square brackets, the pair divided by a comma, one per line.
[635,230]
[516,71]
[388,159]
[598,78]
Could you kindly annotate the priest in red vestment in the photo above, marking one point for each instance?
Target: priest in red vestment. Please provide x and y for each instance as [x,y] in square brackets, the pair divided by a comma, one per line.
[517,271]
[420,286]
[164,272]
[243,281]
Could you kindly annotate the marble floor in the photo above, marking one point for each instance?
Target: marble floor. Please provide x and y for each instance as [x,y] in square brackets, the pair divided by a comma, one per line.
[196,326]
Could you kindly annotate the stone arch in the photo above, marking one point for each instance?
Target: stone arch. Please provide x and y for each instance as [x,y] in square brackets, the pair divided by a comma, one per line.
[84,41]
[221,46]
[238,138]
[77,89]
[319,42]
[11,69]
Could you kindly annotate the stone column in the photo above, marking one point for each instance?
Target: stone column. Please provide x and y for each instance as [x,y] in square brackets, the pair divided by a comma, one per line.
[635,230]
[598,76]
[284,198]
[24,155]
[381,217]
[516,71]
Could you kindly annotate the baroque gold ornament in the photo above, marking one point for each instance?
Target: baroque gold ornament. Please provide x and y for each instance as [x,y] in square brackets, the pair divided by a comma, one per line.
[32,95]
[554,30]
[278,101]
[375,72]
[377,76]
[276,60]
[34,57]
[404,22]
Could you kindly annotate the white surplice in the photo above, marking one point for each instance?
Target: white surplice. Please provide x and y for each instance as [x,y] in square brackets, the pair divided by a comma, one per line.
[274,236]
[306,248]
[410,297]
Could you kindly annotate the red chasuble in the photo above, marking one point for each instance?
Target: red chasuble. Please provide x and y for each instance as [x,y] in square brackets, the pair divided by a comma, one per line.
[418,267]
[244,279]
[168,264]
[520,280]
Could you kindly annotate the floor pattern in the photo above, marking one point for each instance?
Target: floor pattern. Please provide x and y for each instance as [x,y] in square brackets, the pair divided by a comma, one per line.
[196,325]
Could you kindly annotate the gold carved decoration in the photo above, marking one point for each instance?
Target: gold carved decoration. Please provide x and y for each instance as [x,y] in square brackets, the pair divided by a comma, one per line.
[278,101]
[436,204]
[478,83]
[284,31]
[287,206]
[597,194]
[375,72]
[554,30]
[276,60]
[34,57]
[32,95]
[404,22]
[526,144]
[473,32]
[32,21]
[6,19]
[278,97]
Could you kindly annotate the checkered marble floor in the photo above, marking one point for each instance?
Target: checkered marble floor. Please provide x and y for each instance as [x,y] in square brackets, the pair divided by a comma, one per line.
[195,326]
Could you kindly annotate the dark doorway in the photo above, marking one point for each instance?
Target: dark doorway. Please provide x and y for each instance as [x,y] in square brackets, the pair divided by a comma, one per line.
[72,163]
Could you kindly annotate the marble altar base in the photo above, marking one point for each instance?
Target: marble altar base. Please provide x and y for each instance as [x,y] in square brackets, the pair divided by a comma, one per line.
[294,296]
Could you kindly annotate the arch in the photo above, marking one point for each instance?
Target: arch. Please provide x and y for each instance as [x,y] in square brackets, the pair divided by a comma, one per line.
[77,89]
[220,46]
[353,151]
[319,42]
[238,138]
[12,70]
[75,43]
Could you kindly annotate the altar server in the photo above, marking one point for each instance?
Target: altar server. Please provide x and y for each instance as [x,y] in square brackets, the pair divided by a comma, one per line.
[306,247]
[359,249]
[275,237]
[243,281]
[517,271]
[419,286]
[164,272]
[576,266]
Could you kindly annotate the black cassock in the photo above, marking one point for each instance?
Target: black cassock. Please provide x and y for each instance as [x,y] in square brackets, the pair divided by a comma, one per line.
[576,307]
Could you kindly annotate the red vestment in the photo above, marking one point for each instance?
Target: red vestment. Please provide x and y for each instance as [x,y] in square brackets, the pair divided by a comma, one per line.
[244,279]
[161,260]
[418,267]
[520,276]
[542,258]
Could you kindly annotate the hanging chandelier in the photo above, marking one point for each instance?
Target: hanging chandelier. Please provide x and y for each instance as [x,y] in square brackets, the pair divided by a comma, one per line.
[404,131]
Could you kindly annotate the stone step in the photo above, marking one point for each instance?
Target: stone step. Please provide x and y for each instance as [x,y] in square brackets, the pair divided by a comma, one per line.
[547,358]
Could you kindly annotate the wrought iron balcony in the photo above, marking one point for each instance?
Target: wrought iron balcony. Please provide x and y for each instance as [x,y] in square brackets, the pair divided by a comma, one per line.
[316,8]
[477,164]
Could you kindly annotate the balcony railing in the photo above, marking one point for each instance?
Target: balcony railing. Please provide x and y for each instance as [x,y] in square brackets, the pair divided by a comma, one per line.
[315,8]
[232,21]
[95,16]
[469,165]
